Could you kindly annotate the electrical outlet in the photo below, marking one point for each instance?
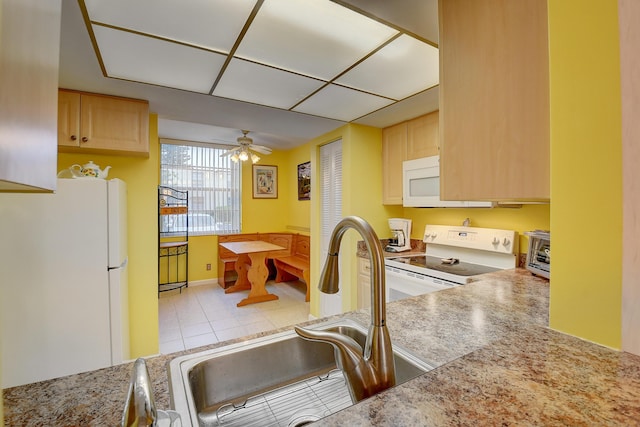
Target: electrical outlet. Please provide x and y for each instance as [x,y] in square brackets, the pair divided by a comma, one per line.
[208,267]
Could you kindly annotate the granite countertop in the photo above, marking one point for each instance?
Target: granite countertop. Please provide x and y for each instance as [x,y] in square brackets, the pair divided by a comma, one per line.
[497,363]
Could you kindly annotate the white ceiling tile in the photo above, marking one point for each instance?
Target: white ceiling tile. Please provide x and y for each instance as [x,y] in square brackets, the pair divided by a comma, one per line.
[341,103]
[259,84]
[317,38]
[402,68]
[149,60]
[212,24]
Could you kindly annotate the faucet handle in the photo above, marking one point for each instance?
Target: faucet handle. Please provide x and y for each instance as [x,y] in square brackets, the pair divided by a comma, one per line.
[140,406]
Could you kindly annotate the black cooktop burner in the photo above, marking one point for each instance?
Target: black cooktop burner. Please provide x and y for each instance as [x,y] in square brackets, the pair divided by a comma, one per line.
[461,268]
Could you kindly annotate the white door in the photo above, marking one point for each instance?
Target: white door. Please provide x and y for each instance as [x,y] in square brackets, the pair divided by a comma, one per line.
[331,213]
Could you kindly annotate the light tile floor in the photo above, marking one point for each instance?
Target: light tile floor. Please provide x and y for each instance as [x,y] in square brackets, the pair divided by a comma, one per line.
[203,315]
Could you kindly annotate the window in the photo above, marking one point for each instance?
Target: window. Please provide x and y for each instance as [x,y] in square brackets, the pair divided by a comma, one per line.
[213,183]
[331,213]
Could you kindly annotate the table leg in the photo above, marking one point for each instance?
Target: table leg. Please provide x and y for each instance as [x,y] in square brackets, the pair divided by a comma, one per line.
[257,275]
[242,267]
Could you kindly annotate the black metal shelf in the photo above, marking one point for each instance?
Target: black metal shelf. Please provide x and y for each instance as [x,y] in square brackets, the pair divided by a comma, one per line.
[173,239]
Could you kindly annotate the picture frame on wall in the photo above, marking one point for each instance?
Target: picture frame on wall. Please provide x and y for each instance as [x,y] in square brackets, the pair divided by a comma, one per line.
[265,182]
[304,181]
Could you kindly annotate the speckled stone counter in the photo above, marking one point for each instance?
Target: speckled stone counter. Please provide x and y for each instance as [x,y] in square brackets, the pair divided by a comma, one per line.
[497,364]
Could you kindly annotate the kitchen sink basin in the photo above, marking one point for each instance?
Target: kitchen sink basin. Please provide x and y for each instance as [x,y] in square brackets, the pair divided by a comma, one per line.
[280,380]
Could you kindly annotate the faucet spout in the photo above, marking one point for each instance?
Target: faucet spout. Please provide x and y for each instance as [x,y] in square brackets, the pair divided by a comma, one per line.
[372,369]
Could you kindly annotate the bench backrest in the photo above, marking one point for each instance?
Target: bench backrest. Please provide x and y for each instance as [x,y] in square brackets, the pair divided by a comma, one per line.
[281,239]
[295,244]
[302,246]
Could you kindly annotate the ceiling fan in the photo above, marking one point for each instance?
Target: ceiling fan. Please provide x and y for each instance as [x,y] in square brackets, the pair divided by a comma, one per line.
[244,151]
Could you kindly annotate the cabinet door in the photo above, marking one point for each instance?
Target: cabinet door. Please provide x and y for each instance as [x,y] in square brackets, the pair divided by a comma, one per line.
[114,124]
[494,100]
[394,152]
[423,137]
[68,118]
[364,283]
[29,56]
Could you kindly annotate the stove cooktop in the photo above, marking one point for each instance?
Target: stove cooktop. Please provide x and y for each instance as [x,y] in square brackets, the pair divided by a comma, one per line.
[433,263]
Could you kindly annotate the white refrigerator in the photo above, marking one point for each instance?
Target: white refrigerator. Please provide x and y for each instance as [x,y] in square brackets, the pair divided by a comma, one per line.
[63,280]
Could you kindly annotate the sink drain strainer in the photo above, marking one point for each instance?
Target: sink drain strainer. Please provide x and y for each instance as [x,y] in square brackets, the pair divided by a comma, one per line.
[303,420]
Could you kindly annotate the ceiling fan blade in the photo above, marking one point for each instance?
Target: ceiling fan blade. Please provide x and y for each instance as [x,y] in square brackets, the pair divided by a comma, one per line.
[229,152]
[260,149]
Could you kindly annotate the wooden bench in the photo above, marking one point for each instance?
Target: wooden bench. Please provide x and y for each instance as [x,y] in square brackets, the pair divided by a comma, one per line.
[297,264]
[293,261]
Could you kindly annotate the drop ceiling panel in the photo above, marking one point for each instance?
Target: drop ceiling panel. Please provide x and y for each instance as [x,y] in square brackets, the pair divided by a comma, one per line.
[341,103]
[150,60]
[246,81]
[290,49]
[315,38]
[212,24]
[391,72]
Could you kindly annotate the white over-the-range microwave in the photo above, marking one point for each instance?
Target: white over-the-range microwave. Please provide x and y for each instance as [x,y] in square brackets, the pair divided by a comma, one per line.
[421,186]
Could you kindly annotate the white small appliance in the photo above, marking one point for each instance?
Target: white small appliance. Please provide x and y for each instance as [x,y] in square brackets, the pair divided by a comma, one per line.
[421,186]
[539,254]
[453,256]
[64,298]
[400,235]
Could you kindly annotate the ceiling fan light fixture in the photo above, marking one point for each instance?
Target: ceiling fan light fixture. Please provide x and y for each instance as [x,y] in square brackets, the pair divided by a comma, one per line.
[245,150]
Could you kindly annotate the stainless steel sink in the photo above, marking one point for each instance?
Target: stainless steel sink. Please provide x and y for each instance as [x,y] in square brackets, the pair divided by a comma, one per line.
[280,380]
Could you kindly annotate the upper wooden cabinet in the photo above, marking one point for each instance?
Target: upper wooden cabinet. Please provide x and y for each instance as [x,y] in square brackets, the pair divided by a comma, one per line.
[102,124]
[494,100]
[29,54]
[423,136]
[394,152]
[405,141]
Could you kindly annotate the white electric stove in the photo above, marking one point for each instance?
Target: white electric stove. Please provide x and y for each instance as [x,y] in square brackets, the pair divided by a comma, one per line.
[454,255]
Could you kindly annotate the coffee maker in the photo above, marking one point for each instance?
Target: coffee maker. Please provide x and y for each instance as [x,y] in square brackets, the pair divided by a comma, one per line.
[400,235]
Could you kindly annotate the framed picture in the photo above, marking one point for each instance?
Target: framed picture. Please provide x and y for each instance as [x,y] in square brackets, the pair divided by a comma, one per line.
[304,181]
[265,182]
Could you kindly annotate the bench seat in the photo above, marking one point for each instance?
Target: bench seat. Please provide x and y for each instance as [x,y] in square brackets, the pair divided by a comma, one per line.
[297,265]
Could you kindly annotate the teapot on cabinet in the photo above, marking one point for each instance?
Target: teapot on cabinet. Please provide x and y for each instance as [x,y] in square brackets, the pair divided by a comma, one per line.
[89,170]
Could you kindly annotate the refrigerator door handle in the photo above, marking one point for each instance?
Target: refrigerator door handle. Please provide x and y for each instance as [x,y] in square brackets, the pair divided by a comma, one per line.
[122,265]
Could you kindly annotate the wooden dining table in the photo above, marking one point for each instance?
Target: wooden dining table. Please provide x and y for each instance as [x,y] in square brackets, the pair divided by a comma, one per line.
[252,270]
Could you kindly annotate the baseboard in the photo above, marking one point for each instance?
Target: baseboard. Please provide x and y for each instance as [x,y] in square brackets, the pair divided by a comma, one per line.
[203,282]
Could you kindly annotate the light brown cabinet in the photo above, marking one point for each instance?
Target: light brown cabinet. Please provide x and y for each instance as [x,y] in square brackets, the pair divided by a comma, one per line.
[29,54]
[394,152]
[423,136]
[408,140]
[364,283]
[102,124]
[494,100]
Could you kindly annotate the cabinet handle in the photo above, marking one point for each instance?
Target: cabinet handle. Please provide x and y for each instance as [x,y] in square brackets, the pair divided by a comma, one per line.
[73,137]
[85,139]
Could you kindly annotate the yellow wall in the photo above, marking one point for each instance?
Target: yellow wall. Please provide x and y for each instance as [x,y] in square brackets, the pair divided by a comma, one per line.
[361,195]
[259,215]
[299,210]
[203,250]
[586,164]
[141,176]
[526,218]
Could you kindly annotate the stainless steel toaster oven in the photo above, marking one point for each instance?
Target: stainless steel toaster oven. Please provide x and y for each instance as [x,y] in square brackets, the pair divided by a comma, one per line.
[539,255]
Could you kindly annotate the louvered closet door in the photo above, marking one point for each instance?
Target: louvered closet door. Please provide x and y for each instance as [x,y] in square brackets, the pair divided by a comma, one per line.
[331,212]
